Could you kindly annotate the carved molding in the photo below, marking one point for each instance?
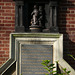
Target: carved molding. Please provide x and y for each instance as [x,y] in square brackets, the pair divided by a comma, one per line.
[38,38]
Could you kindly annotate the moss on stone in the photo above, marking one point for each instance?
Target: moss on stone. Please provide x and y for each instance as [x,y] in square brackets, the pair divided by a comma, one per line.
[47,35]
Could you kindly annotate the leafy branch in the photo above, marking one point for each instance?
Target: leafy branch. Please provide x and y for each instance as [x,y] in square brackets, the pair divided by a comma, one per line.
[49,67]
[71,56]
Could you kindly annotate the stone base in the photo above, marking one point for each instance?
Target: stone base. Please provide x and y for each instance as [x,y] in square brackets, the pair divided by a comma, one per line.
[41,40]
[35,28]
[19,29]
[52,29]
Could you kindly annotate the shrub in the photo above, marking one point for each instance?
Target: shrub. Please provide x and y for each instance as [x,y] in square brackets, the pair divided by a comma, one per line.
[49,67]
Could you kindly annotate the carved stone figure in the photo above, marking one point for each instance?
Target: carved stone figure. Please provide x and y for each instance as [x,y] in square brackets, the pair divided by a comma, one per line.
[34,14]
[36,21]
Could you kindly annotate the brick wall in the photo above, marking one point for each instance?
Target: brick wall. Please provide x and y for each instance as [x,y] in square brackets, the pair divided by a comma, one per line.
[66,23]
[7,21]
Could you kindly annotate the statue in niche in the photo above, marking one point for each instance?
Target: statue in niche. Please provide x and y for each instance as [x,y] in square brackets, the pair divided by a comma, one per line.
[36,21]
[35,14]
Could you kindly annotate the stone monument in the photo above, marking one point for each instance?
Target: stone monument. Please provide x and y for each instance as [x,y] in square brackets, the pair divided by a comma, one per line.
[29,49]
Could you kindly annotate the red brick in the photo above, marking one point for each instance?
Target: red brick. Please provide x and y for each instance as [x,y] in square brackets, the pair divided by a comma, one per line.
[7,52]
[13,11]
[8,18]
[73,32]
[72,22]
[0,62]
[7,7]
[0,35]
[73,40]
[6,45]
[13,4]
[67,18]
[71,25]
[5,49]
[67,25]
[2,52]
[7,25]
[2,59]
[7,39]
[8,11]
[72,11]
[72,19]
[8,32]
[13,25]
[1,11]
[0,48]
[0,41]
[5,35]
[0,7]
[5,42]
[8,4]
[7,14]
[1,3]
[1,25]
[7,28]
[11,21]
[6,59]
[1,38]
[1,45]
[0,21]
[6,21]
[13,18]
[1,17]
[71,8]
[1,55]
[5,55]
[72,15]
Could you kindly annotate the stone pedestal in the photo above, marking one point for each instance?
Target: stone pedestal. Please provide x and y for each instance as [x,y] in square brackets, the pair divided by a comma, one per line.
[29,49]
[35,28]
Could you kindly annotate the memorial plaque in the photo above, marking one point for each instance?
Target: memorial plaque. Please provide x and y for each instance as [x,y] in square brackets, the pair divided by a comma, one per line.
[32,56]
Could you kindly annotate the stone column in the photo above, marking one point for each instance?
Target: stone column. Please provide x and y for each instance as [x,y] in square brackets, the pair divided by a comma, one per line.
[19,27]
[53,17]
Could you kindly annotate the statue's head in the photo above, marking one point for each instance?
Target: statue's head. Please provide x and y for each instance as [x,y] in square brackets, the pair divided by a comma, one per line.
[35,7]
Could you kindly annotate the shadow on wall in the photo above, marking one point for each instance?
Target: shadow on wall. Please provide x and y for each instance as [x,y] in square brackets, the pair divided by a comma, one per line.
[66,25]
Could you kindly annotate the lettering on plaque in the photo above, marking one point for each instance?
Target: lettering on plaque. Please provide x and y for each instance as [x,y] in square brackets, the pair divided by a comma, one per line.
[32,56]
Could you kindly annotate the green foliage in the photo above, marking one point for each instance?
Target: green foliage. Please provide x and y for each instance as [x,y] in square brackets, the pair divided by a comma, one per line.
[49,67]
[71,56]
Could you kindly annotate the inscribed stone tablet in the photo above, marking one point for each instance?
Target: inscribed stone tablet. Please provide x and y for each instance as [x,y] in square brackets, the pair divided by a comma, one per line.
[32,56]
